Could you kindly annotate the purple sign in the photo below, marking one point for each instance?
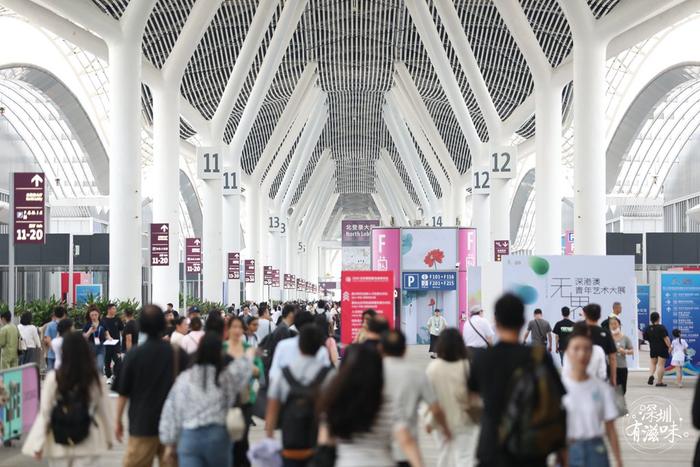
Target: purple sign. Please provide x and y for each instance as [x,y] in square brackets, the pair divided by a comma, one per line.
[501,248]
[160,244]
[328,285]
[275,278]
[29,207]
[249,267]
[289,281]
[267,275]
[357,233]
[193,255]
[234,266]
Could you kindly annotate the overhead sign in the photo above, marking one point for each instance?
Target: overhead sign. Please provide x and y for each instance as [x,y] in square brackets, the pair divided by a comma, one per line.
[503,161]
[679,303]
[267,275]
[435,280]
[357,232]
[29,197]
[209,163]
[234,266]
[160,244]
[501,248]
[193,255]
[328,285]
[275,278]
[249,270]
[276,224]
[232,176]
[481,181]
[289,281]
[362,290]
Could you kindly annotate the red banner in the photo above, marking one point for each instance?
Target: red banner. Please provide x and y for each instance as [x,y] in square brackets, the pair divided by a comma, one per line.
[362,290]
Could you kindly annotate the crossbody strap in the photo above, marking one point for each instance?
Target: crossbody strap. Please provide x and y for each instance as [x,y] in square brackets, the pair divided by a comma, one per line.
[488,344]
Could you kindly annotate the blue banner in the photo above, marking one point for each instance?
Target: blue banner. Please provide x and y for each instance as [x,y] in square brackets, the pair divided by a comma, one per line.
[436,280]
[679,302]
[642,306]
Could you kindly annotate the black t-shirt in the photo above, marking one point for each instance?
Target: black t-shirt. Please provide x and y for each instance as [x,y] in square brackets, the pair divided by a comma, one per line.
[655,334]
[113,325]
[603,338]
[490,376]
[562,329]
[131,328]
[146,378]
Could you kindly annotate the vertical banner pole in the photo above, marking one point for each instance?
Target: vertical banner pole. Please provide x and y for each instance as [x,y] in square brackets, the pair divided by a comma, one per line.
[69,298]
[11,250]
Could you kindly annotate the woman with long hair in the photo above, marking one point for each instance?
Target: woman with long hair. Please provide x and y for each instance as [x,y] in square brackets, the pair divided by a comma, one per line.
[357,418]
[194,414]
[96,335]
[329,343]
[76,384]
[448,376]
[31,344]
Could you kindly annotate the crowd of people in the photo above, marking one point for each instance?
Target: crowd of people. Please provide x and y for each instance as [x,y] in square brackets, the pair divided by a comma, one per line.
[190,387]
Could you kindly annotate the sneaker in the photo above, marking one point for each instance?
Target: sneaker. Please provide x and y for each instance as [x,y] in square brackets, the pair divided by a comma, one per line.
[110,380]
[650,381]
[661,385]
[433,356]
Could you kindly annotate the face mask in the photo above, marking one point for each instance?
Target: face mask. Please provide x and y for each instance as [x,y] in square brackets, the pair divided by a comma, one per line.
[616,331]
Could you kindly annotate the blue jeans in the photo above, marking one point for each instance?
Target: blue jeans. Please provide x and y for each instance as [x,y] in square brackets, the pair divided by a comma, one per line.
[206,446]
[50,362]
[588,452]
[100,360]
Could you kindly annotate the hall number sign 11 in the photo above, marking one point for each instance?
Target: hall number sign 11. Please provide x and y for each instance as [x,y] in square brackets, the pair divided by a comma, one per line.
[209,162]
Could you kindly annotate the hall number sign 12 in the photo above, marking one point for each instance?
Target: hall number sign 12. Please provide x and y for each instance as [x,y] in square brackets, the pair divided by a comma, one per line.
[503,162]
[481,180]
[210,163]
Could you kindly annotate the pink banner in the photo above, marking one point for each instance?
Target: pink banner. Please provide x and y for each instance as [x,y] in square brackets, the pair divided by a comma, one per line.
[467,259]
[568,243]
[386,252]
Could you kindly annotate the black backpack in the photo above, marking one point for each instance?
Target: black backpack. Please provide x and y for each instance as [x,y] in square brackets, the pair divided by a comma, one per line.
[299,424]
[533,424]
[71,419]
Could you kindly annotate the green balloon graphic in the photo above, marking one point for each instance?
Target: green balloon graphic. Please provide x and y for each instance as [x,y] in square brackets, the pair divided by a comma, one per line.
[539,265]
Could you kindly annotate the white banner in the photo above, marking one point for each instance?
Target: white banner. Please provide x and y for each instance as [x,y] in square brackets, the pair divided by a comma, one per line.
[552,282]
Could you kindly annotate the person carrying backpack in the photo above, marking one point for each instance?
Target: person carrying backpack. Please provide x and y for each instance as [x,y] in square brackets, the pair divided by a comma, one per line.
[521,424]
[295,395]
[74,423]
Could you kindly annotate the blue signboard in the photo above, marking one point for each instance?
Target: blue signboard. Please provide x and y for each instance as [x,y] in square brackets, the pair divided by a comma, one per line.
[85,292]
[436,280]
[642,306]
[679,303]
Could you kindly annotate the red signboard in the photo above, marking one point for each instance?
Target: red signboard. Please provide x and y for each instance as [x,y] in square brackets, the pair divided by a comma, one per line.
[500,248]
[29,197]
[267,275]
[249,267]
[275,278]
[234,266]
[362,290]
[193,255]
[160,244]
[289,281]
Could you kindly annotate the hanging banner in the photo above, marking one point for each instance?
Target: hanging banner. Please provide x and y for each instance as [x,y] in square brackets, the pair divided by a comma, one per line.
[29,198]
[355,242]
[193,255]
[160,244]
[249,270]
[679,305]
[362,290]
[275,278]
[289,281]
[19,410]
[267,275]
[643,303]
[429,249]
[552,282]
[501,248]
[386,252]
[234,266]
[466,239]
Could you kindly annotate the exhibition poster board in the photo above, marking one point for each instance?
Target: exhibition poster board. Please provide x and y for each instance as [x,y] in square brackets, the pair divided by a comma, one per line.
[552,282]
[362,290]
[643,304]
[467,259]
[355,243]
[386,252]
[17,414]
[87,292]
[679,303]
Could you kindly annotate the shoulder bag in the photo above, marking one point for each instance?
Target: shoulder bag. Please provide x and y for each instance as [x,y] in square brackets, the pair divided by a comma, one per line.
[488,344]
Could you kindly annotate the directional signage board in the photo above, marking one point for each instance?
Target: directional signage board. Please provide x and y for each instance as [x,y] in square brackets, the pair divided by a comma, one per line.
[160,244]
[432,280]
[234,266]
[679,303]
[275,278]
[501,248]
[300,285]
[193,255]
[267,275]
[289,281]
[249,269]
[29,195]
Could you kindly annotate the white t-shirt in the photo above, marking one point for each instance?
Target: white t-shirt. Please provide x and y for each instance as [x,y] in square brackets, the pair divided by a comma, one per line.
[596,367]
[588,405]
[56,344]
[678,347]
[471,338]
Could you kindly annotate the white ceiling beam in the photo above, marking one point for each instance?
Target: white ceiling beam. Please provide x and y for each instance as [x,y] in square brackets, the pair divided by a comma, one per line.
[84,13]
[311,102]
[391,202]
[311,218]
[427,31]
[397,100]
[410,158]
[295,104]
[406,84]
[396,186]
[287,24]
[241,68]
[381,207]
[422,199]
[314,235]
[187,41]
[321,174]
[630,13]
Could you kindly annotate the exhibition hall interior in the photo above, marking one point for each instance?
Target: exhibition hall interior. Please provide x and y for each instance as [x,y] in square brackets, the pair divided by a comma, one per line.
[352,233]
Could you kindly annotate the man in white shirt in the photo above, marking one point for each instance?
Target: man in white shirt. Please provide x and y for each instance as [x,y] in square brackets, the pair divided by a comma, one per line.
[477,331]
